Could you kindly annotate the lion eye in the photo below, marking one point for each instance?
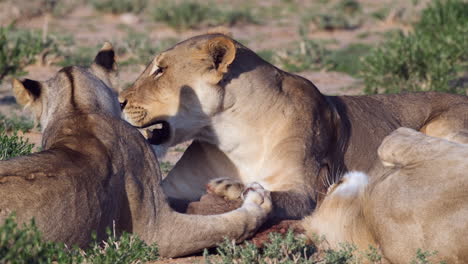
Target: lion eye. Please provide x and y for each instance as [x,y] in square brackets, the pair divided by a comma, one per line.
[157,71]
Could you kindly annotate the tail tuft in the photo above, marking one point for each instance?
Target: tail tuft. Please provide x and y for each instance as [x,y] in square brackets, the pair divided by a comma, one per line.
[351,184]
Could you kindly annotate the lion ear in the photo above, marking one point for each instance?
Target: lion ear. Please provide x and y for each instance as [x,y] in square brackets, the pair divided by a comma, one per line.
[26,91]
[222,51]
[105,66]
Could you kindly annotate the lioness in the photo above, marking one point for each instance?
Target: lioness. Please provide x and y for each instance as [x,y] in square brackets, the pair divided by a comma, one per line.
[421,203]
[95,170]
[254,122]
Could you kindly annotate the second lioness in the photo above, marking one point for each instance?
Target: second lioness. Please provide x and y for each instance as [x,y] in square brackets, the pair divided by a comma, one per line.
[254,122]
[420,204]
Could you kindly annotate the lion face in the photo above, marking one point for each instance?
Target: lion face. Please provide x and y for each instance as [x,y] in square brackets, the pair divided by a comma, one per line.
[176,96]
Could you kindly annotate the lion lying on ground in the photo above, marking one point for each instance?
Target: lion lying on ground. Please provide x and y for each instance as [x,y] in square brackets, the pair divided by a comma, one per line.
[95,171]
[254,122]
[421,203]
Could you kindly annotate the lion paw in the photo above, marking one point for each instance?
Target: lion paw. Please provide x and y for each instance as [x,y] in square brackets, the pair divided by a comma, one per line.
[256,194]
[229,189]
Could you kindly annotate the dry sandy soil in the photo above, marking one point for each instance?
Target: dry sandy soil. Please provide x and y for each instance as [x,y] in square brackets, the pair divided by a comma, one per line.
[276,31]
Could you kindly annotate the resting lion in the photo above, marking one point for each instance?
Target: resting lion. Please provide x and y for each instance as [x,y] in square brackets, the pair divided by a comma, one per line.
[95,171]
[251,121]
[420,203]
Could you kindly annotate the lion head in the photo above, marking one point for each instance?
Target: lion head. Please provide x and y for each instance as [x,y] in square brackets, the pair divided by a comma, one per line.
[180,92]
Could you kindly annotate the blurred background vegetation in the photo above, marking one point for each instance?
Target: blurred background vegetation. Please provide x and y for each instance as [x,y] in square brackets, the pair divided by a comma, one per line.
[390,46]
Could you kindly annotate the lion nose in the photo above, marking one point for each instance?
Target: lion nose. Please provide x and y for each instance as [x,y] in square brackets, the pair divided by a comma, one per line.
[123,104]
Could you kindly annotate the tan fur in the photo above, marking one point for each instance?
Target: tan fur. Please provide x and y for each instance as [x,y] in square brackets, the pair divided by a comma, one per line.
[421,203]
[95,171]
[225,187]
[210,204]
[256,122]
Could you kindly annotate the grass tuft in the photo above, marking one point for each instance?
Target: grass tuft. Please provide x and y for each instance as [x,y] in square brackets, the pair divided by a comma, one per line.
[281,249]
[13,145]
[140,49]
[192,14]
[15,123]
[431,58]
[24,244]
[19,48]
[119,6]
[346,14]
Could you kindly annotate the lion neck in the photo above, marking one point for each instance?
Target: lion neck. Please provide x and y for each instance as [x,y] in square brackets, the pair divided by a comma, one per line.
[258,129]
[76,131]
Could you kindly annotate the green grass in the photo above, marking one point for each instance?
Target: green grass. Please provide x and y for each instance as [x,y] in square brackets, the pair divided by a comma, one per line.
[290,249]
[13,145]
[345,14]
[119,6]
[15,123]
[18,48]
[307,54]
[280,249]
[192,14]
[165,167]
[138,48]
[429,59]
[24,244]
[424,257]
[79,55]
[348,59]
[180,149]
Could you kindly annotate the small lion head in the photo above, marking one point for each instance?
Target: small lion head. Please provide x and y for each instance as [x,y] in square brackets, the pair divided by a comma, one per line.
[72,89]
[180,91]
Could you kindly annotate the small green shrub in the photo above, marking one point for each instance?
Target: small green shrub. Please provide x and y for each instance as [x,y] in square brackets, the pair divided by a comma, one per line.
[15,123]
[13,145]
[427,59]
[119,6]
[424,257]
[281,249]
[25,245]
[344,255]
[307,54]
[348,59]
[346,14]
[140,49]
[182,16]
[373,255]
[191,14]
[267,55]
[236,16]
[18,48]
[124,249]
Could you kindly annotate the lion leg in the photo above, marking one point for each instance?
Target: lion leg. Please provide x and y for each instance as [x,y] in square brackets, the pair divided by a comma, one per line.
[286,204]
[181,234]
[200,163]
[291,205]
[229,189]
[406,146]
[451,125]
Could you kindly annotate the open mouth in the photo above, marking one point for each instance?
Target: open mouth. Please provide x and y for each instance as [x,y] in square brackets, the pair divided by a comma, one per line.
[158,133]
